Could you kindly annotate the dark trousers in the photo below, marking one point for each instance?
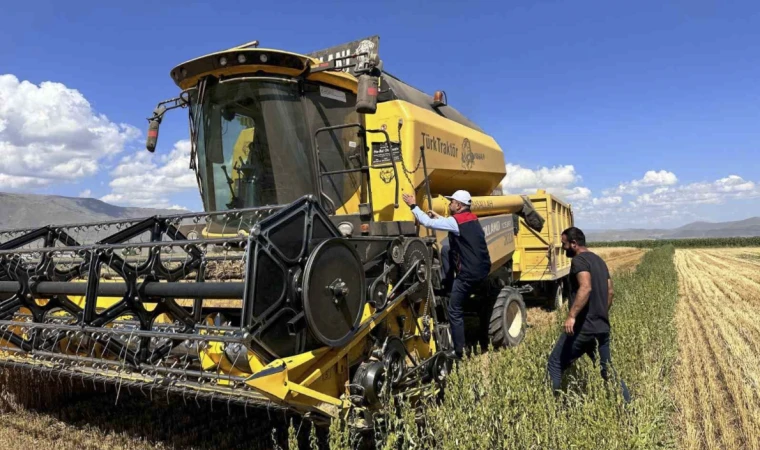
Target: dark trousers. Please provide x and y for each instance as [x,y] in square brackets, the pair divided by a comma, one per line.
[460,293]
[447,261]
[571,347]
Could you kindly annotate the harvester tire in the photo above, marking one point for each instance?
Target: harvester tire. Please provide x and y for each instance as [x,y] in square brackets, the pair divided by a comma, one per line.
[508,319]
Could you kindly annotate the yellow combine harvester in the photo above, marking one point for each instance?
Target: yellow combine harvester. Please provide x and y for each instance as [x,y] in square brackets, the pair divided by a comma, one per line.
[303,285]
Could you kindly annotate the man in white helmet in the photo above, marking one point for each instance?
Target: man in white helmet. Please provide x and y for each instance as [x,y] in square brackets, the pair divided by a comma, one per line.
[466,255]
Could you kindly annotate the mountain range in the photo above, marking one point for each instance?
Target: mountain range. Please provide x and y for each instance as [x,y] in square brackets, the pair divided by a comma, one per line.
[739,228]
[31,211]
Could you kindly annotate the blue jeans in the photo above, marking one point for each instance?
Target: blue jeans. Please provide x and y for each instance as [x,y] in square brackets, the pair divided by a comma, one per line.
[571,347]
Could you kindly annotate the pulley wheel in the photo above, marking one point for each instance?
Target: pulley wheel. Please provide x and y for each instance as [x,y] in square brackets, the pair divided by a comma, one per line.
[378,294]
[394,358]
[415,250]
[371,377]
[396,250]
[334,291]
[439,367]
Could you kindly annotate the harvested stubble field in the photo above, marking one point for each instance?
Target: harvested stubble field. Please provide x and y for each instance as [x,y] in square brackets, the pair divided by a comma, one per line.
[718,374]
[685,339]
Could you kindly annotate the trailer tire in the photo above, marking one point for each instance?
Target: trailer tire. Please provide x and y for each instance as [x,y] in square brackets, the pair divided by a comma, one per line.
[557,301]
[508,319]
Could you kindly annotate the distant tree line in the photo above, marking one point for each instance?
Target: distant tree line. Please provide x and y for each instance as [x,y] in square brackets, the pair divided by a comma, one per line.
[683,243]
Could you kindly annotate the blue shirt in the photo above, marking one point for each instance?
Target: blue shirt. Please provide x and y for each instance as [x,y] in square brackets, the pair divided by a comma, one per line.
[440,223]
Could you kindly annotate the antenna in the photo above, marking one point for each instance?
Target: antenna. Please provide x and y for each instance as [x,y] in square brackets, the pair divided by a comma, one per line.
[254,44]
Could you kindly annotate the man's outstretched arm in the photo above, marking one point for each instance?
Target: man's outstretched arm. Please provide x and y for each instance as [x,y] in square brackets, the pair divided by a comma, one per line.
[439,223]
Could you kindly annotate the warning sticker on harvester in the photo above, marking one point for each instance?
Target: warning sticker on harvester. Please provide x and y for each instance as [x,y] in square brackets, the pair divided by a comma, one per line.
[381,155]
[334,94]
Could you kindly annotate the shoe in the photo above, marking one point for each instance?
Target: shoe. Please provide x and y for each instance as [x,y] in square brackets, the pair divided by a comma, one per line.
[451,354]
[442,292]
[626,393]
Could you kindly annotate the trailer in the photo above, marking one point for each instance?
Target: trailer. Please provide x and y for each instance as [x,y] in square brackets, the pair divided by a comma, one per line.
[539,262]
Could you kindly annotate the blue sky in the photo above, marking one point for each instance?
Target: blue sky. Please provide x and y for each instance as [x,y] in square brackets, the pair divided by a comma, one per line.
[645,115]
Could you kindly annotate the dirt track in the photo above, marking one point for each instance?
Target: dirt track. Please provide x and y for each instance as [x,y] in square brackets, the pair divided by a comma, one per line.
[620,258]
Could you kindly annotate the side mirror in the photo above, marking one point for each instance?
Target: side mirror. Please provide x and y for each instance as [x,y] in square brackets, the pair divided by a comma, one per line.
[366,98]
[158,114]
[153,124]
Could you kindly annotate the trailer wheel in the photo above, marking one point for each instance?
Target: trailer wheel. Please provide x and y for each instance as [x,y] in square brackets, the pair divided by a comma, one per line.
[557,301]
[508,319]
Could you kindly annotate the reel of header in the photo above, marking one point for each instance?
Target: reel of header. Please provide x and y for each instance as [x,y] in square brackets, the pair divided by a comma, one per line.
[334,292]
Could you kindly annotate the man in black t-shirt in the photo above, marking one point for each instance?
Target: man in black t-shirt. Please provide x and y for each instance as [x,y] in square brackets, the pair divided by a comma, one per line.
[587,323]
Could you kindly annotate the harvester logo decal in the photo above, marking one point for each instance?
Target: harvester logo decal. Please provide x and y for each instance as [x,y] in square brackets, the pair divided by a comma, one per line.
[387,175]
[468,158]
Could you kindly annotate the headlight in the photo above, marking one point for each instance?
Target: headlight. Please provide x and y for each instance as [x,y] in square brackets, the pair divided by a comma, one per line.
[346,228]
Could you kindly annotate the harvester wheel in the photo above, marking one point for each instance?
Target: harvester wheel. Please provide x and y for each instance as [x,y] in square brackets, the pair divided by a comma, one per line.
[508,319]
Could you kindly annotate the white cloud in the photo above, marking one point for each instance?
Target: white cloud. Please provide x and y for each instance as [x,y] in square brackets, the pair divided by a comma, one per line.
[654,200]
[666,206]
[86,193]
[650,179]
[147,180]
[716,192]
[577,193]
[558,180]
[608,200]
[661,178]
[49,132]
[523,178]
[13,182]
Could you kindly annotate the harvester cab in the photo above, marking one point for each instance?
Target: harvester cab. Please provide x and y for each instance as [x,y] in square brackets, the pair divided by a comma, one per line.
[302,285]
[269,127]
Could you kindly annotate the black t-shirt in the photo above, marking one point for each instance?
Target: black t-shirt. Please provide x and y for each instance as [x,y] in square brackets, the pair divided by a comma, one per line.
[594,317]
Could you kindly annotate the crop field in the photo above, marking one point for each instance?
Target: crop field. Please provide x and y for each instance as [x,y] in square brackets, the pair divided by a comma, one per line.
[684,243]
[686,335]
[618,259]
[502,399]
[718,374]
